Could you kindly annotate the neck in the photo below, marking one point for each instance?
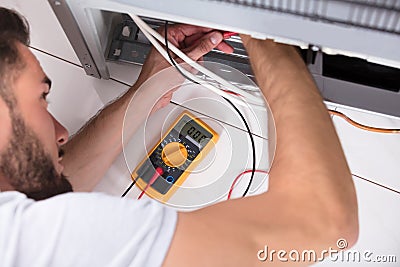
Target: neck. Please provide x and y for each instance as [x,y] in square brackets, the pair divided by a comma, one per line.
[4,184]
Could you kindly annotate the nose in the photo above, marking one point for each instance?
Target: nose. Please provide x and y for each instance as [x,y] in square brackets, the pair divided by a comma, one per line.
[61,132]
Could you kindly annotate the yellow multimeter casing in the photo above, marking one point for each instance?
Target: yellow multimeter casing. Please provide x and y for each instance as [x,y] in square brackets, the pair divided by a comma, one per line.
[187,141]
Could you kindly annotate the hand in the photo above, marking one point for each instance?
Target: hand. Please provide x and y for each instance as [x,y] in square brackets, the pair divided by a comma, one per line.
[194,41]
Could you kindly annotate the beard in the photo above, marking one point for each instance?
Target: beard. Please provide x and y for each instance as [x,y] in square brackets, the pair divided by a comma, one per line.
[26,165]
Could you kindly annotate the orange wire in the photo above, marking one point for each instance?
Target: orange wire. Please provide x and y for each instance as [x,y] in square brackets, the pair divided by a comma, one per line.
[362,126]
[237,178]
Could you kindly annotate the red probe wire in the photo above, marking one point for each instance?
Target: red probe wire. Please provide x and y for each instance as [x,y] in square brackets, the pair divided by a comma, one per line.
[227,35]
[332,112]
[237,178]
[159,171]
[232,93]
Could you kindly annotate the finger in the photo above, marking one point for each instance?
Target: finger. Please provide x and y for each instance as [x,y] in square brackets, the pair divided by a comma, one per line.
[193,39]
[189,30]
[225,47]
[205,45]
[171,34]
[179,32]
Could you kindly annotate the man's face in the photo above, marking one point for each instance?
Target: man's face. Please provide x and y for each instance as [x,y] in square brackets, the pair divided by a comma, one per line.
[30,160]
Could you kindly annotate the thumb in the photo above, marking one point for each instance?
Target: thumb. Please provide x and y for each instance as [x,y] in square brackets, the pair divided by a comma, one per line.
[204,45]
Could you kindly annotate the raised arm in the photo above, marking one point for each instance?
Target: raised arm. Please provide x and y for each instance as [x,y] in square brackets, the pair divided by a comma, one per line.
[311,200]
[90,153]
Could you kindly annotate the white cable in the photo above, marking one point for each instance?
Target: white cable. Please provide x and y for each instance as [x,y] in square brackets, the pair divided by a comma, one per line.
[209,86]
[148,31]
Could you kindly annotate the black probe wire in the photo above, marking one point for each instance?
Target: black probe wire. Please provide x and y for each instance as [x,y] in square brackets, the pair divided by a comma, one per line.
[236,109]
[253,170]
[129,188]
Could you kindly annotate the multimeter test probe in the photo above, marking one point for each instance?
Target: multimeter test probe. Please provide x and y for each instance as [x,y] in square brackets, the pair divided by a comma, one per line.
[159,171]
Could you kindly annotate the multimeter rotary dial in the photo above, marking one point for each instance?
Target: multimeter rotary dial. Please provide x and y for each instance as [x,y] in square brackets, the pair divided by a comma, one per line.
[174,154]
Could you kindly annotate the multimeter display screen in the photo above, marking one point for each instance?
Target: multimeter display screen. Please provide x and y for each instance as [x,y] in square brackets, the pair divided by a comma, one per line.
[190,130]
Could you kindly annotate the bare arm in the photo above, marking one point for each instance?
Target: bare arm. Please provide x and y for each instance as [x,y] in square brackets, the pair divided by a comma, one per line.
[90,153]
[311,199]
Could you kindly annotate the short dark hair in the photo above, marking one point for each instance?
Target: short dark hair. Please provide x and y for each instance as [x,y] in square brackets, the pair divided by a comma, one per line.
[14,28]
[13,25]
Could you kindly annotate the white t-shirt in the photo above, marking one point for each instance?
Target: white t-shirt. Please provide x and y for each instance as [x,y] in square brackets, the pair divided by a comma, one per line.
[83,229]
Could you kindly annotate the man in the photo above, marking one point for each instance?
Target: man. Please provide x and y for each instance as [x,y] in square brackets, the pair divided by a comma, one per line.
[310,203]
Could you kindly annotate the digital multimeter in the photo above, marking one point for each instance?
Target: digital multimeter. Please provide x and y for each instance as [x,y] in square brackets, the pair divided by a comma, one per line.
[178,152]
